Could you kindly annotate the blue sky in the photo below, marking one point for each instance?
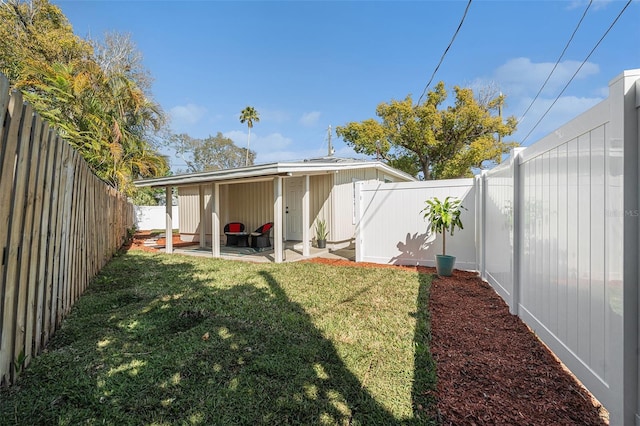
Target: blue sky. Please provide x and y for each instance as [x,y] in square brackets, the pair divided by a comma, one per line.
[306,65]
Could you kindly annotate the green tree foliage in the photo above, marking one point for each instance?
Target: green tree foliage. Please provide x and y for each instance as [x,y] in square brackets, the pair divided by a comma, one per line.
[249,115]
[437,141]
[34,32]
[101,111]
[213,153]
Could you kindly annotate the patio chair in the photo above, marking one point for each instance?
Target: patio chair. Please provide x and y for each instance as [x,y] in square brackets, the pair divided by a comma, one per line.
[230,230]
[260,237]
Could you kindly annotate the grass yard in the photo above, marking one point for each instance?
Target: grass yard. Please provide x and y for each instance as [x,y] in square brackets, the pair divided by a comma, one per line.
[160,339]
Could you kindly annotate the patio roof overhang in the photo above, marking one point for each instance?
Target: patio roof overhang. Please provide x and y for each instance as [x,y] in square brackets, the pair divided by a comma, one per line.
[271,170]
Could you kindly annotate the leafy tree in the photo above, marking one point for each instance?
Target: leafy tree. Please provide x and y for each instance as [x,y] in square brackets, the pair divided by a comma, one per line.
[213,153]
[101,110]
[147,196]
[36,32]
[249,115]
[104,118]
[438,142]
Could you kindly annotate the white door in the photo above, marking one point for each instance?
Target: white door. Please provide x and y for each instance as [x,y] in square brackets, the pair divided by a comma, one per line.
[293,208]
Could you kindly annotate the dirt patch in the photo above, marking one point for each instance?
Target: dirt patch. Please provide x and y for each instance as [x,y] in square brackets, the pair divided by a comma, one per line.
[491,368]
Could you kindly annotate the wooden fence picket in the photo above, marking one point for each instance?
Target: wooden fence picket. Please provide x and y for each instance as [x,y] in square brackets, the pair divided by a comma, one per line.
[59,224]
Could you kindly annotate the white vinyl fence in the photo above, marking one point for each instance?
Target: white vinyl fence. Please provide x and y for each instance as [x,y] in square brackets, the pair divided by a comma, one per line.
[154,217]
[392,230]
[556,235]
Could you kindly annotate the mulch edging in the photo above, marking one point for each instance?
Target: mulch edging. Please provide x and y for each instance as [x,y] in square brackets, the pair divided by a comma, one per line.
[491,369]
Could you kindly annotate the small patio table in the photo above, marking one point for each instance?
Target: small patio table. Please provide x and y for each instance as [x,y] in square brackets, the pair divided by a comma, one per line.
[242,238]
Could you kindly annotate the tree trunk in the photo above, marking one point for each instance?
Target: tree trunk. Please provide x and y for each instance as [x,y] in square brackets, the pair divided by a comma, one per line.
[444,234]
[246,160]
[425,169]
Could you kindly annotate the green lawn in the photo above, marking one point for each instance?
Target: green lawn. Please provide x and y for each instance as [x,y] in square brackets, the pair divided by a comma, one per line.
[160,339]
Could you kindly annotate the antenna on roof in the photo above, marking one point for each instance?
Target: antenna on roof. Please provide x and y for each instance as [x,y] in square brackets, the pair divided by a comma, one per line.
[330,149]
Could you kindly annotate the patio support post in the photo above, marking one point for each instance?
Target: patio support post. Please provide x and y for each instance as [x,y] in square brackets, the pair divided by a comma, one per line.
[168,221]
[202,222]
[277,216]
[305,218]
[215,220]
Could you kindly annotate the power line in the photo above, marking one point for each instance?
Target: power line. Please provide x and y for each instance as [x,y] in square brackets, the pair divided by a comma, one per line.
[578,70]
[445,51]
[557,62]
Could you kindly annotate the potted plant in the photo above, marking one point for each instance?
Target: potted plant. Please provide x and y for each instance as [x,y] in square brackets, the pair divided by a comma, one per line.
[443,217]
[321,233]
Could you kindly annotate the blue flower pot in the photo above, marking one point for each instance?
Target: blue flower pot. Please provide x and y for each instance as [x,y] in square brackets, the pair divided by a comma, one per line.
[444,264]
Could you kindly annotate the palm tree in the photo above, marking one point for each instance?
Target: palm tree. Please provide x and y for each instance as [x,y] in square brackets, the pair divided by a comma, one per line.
[249,115]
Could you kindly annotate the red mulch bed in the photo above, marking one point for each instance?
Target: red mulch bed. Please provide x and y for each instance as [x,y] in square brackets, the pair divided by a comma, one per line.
[491,369]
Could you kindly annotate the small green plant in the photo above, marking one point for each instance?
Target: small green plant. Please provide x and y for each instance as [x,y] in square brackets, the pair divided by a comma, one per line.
[321,230]
[20,362]
[443,216]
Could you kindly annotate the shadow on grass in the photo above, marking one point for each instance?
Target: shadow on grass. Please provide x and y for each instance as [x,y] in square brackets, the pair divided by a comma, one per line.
[173,348]
[424,372]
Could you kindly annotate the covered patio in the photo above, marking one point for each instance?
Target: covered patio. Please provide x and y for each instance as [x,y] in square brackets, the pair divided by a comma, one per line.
[292,196]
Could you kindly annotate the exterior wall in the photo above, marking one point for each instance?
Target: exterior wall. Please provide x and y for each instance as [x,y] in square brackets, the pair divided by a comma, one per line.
[321,203]
[189,213]
[391,228]
[249,203]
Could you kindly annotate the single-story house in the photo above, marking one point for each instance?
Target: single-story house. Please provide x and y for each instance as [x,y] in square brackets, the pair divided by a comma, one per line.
[292,195]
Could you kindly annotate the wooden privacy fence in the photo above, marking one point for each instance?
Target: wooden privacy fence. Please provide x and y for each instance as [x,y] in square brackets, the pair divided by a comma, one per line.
[59,224]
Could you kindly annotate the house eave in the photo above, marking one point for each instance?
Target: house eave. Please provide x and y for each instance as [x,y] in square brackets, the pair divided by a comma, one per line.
[265,171]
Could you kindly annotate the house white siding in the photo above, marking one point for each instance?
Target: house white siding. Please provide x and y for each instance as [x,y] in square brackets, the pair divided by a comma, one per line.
[249,203]
[331,197]
[321,205]
[189,212]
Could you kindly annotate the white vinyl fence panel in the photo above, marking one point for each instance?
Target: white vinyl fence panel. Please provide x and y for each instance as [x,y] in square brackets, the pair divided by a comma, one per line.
[573,243]
[498,238]
[391,228]
[153,217]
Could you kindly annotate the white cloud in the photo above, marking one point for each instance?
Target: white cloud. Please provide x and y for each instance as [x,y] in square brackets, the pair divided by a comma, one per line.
[310,118]
[520,76]
[187,114]
[520,80]
[564,110]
